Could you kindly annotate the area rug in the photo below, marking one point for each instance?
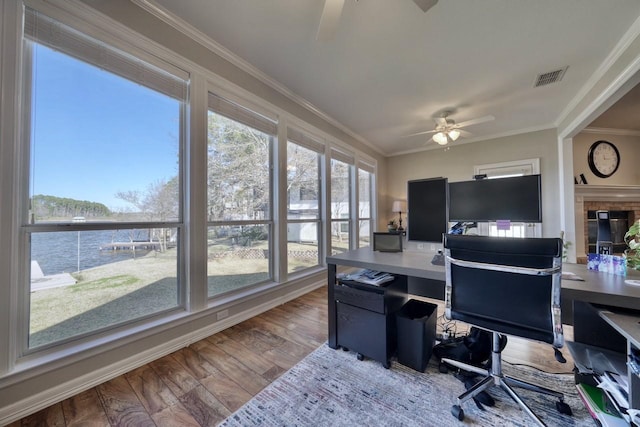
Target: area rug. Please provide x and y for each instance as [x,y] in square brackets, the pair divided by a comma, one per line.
[332,388]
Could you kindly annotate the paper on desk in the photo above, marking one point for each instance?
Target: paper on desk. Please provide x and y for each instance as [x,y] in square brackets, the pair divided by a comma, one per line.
[567,275]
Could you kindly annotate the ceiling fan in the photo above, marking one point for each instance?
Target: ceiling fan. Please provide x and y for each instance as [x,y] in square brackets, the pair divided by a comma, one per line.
[447,130]
[333,9]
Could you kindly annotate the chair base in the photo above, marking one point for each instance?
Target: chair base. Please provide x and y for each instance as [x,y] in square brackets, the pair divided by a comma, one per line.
[494,376]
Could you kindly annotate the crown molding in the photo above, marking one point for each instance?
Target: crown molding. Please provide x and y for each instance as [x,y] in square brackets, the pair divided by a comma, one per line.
[187,29]
[611,131]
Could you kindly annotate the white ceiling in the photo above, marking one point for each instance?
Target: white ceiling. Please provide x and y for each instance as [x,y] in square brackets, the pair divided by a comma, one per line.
[390,68]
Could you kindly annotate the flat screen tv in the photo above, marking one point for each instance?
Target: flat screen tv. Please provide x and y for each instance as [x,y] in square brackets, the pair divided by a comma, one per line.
[427,206]
[516,199]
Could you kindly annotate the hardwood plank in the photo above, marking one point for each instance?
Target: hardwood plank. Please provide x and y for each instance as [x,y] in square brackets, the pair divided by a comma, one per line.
[257,339]
[295,323]
[174,416]
[84,409]
[308,311]
[250,358]
[154,395]
[204,407]
[288,355]
[174,375]
[194,363]
[289,335]
[227,391]
[48,417]
[121,404]
[231,367]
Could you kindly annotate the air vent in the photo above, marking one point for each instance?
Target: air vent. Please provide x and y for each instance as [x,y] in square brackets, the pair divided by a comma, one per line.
[550,77]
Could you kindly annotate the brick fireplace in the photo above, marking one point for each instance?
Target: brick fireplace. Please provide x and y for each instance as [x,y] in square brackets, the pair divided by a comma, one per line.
[623,200]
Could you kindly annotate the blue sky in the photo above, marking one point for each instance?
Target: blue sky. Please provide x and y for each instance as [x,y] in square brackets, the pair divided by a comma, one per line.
[96,133]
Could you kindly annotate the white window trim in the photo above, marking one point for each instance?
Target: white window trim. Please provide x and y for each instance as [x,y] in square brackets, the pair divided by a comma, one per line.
[515,167]
[520,167]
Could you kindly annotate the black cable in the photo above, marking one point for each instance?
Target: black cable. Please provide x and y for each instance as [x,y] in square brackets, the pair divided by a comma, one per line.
[536,368]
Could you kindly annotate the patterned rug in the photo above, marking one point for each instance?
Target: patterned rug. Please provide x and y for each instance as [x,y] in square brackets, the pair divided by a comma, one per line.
[332,388]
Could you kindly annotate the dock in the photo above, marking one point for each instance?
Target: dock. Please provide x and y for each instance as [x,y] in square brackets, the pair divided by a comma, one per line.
[114,246]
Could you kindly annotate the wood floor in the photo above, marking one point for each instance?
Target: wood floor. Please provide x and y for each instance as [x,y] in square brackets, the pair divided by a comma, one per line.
[204,383]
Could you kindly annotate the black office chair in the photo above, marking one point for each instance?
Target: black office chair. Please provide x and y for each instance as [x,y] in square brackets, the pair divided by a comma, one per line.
[507,286]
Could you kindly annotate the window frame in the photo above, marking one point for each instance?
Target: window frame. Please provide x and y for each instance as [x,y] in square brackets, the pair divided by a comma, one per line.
[26,226]
[304,140]
[262,117]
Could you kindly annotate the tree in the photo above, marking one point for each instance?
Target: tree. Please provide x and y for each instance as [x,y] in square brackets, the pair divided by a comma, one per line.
[159,202]
[44,207]
[238,171]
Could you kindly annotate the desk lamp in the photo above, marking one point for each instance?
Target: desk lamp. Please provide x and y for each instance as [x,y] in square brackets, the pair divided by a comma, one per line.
[399,207]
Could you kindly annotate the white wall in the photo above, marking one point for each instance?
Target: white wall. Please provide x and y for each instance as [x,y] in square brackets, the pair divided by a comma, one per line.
[457,164]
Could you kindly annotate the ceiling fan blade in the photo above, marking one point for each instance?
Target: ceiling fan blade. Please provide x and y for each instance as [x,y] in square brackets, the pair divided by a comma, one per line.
[425,5]
[421,133]
[465,134]
[475,121]
[329,19]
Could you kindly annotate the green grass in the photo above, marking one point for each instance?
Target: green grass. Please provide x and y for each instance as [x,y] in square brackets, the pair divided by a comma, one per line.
[127,290]
[113,282]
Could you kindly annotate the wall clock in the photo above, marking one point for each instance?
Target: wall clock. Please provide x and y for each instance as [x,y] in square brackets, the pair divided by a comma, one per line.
[604,159]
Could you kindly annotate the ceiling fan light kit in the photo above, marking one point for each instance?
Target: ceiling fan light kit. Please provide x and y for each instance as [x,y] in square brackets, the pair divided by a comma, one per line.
[443,138]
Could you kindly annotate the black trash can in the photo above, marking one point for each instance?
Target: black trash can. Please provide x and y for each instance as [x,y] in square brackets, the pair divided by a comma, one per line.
[416,323]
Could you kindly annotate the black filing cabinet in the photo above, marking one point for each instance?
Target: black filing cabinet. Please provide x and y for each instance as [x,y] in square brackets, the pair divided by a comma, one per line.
[366,320]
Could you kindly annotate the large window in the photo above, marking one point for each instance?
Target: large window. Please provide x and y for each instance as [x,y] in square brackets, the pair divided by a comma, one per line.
[239,196]
[103,228]
[365,205]
[340,205]
[303,201]
[120,216]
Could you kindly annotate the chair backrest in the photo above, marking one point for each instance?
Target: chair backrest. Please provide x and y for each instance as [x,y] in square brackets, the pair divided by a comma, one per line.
[507,285]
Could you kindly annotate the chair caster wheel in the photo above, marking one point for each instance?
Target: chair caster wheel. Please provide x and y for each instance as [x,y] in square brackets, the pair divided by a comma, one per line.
[386,365]
[457,412]
[360,357]
[563,408]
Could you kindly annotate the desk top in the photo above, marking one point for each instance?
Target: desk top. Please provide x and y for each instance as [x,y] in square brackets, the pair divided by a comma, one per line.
[628,326]
[598,288]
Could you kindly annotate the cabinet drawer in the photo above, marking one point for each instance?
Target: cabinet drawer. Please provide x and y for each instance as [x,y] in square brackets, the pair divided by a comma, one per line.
[364,331]
[372,299]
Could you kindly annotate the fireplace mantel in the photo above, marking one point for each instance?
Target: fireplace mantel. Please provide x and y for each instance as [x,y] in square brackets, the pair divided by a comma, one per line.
[610,193]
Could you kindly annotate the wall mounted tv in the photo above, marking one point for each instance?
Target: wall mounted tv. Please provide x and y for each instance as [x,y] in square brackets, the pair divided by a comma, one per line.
[516,199]
[427,206]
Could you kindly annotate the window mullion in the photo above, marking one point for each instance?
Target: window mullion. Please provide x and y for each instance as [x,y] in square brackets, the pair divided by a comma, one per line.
[195,197]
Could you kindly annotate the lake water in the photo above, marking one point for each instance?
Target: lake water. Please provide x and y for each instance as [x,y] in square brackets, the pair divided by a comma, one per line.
[58,252]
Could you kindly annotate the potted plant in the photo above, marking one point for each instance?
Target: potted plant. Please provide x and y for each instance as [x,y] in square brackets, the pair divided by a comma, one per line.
[392,225]
[632,239]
